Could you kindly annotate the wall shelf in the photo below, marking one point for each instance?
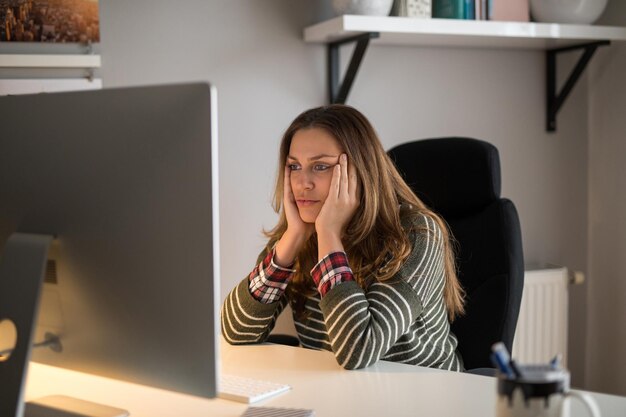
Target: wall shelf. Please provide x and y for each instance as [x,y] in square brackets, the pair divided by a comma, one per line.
[49,61]
[461,33]
[551,38]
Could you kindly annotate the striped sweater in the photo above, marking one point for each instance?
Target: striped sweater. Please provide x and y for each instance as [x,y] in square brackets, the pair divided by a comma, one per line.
[403,319]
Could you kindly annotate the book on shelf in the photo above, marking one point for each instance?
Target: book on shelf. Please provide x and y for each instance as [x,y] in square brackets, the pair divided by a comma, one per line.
[468,9]
[449,9]
[504,10]
[480,9]
[454,9]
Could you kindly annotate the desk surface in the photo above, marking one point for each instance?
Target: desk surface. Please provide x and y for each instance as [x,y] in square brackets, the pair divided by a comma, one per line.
[384,389]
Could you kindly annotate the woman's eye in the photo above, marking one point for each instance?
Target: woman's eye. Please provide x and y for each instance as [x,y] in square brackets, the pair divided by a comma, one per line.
[321,167]
[293,167]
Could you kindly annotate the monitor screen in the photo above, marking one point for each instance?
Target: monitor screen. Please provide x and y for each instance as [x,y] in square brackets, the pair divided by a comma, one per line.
[125,181]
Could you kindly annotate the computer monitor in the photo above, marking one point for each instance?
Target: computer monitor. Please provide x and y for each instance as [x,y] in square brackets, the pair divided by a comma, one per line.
[125,181]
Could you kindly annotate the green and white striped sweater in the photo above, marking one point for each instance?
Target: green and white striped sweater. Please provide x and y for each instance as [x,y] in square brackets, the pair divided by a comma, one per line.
[403,319]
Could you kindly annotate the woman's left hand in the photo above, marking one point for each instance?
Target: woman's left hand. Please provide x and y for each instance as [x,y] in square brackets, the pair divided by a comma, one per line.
[339,207]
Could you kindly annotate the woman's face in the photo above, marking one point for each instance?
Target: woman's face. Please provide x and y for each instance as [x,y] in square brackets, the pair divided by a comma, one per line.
[312,155]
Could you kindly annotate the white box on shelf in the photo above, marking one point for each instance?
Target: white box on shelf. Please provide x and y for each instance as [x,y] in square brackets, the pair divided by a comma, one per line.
[413,8]
[419,8]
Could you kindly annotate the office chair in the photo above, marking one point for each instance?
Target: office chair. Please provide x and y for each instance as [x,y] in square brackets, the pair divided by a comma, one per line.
[459,178]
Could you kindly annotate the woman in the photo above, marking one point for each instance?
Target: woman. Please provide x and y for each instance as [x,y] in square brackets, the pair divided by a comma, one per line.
[366,267]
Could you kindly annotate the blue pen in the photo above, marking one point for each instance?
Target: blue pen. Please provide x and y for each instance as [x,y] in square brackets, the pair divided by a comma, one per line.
[555,363]
[502,359]
[501,350]
[501,365]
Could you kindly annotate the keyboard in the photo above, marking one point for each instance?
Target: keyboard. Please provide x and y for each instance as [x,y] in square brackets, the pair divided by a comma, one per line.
[248,390]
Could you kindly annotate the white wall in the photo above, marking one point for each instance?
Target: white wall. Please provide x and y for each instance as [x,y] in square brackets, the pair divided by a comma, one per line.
[606,344]
[265,74]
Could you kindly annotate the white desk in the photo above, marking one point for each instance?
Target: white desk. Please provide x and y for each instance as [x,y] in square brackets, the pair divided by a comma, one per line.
[385,389]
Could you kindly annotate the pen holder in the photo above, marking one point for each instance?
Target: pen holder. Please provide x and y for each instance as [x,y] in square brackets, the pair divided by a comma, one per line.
[541,394]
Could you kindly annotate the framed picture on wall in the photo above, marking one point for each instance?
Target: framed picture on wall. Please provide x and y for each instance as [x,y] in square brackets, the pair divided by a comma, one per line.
[49,21]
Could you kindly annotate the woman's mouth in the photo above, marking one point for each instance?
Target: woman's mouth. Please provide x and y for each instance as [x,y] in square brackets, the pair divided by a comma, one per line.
[306,203]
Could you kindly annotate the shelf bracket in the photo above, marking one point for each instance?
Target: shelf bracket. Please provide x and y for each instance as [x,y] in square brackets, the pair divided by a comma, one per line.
[338,93]
[554,100]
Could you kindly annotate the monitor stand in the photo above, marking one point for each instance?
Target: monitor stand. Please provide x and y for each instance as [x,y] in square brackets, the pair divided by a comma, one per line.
[22,268]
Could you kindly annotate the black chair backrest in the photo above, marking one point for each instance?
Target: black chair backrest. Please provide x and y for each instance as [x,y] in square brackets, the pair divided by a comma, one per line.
[459,178]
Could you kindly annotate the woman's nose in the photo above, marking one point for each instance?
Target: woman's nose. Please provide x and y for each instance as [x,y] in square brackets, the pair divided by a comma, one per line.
[305,181]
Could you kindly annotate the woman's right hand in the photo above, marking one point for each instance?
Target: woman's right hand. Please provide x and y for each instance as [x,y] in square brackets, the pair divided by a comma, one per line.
[297,233]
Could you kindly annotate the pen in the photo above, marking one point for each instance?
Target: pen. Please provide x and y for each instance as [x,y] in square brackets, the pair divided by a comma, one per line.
[501,365]
[502,359]
[514,370]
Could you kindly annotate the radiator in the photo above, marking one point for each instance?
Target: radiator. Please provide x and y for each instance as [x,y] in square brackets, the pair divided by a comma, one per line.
[541,330]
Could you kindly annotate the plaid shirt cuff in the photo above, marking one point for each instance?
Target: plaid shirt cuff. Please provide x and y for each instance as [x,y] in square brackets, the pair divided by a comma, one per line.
[267,281]
[330,271]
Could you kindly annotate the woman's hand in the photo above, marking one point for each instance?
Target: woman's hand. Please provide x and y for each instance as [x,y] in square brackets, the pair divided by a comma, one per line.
[338,209]
[297,233]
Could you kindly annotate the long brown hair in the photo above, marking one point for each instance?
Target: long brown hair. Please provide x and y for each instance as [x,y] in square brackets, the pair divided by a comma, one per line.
[375,241]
